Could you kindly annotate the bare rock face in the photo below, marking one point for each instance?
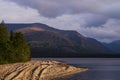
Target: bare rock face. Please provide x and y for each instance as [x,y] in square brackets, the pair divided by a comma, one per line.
[37,70]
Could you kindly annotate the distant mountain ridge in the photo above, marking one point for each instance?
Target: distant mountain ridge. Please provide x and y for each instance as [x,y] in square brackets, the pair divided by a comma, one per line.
[114,46]
[47,41]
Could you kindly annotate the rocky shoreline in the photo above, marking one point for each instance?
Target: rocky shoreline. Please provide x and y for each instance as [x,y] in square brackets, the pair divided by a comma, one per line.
[37,70]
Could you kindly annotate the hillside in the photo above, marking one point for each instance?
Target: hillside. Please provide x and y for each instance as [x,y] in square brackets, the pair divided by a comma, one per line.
[114,46]
[50,42]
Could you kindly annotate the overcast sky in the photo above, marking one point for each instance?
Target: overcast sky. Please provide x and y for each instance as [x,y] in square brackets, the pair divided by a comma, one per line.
[99,19]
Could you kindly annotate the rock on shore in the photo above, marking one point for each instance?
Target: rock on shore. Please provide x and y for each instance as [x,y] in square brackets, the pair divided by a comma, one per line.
[37,70]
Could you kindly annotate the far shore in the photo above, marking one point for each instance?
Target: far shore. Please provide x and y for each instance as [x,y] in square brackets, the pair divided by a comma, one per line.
[37,70]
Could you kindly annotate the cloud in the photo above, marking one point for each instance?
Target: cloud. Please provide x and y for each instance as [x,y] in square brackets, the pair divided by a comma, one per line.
[11,12]
[106,33]
[98,19]
[95,12]
[54,8]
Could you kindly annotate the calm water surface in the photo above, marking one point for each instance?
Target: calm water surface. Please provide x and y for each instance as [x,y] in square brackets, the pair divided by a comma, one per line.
[99,68]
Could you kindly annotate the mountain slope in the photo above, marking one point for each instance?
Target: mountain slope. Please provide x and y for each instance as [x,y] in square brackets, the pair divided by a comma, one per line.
[114,46]
[48,41]
[89,44]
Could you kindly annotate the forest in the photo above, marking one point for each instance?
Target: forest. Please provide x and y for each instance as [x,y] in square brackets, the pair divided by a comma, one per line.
[13,46]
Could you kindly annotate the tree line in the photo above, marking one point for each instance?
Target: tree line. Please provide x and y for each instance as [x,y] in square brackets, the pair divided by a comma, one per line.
[13,46]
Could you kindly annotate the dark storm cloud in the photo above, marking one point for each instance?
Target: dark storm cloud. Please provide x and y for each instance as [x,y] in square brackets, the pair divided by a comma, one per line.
[94,20]
[54,8]
[99,19]
[100,10]
[106,33]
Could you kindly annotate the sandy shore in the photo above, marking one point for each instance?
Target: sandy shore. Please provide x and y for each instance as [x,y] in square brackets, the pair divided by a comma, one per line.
[37,70]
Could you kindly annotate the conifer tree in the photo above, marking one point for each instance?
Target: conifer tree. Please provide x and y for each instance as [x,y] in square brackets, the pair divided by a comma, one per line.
[13,47]
[21,47]
[4,36]
[4,42]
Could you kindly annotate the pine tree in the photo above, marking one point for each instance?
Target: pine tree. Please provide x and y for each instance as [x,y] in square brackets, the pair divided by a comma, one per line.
[11,35]
[4,42]
[13,47]
[21,47]
[4,36]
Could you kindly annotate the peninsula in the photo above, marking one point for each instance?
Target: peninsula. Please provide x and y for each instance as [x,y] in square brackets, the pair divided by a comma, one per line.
[37,70]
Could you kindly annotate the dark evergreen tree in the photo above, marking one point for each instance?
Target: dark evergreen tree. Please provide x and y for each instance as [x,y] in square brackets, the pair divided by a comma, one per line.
[4,42]
[11,35]
[4,36]
[13,47]
[21,47]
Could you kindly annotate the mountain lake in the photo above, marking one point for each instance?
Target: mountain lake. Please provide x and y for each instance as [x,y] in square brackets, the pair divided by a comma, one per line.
[99,68]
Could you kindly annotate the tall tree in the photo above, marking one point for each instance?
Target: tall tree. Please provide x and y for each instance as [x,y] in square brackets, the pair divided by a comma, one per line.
[13,47]
[4,41]
[21,47]
[4,35]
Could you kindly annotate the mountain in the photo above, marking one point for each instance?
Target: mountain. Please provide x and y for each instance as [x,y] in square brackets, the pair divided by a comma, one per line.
[114,46]
[46,41]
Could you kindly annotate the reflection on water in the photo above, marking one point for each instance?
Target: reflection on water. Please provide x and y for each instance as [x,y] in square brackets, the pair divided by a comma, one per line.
[99,68]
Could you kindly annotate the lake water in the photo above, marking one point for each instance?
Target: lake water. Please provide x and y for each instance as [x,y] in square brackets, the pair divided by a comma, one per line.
[99,68]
